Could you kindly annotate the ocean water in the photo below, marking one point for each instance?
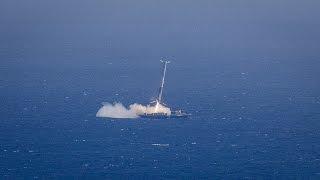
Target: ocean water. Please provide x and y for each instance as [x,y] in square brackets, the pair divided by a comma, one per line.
[254,119]
[248,72]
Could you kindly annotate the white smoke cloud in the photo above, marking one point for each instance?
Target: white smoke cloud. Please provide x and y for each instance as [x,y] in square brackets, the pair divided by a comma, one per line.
[117,110]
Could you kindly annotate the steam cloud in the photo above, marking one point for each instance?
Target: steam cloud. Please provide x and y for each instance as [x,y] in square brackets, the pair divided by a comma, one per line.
[117,110]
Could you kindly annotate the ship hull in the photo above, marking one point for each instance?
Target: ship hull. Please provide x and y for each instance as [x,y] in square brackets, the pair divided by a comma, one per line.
[164,116]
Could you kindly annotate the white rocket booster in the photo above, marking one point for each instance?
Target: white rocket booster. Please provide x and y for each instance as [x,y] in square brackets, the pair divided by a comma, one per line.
[162,80]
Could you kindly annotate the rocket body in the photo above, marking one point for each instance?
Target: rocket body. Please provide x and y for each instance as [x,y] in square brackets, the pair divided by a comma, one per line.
[162,80]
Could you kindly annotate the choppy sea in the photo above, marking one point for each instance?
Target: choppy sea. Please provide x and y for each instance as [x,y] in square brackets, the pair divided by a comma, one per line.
[258,118]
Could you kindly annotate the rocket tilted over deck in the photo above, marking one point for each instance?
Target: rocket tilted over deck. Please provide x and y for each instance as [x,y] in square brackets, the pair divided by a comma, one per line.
[155,110]
[157,114]
[162,80]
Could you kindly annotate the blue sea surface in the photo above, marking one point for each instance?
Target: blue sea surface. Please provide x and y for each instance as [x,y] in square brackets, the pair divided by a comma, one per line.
[252,120]
[248,72]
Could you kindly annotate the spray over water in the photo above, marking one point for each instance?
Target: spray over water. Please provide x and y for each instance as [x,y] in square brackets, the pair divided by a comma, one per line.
[118,110]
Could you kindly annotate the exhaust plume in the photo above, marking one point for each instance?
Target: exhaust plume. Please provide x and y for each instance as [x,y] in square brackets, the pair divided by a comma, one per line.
[117,110]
